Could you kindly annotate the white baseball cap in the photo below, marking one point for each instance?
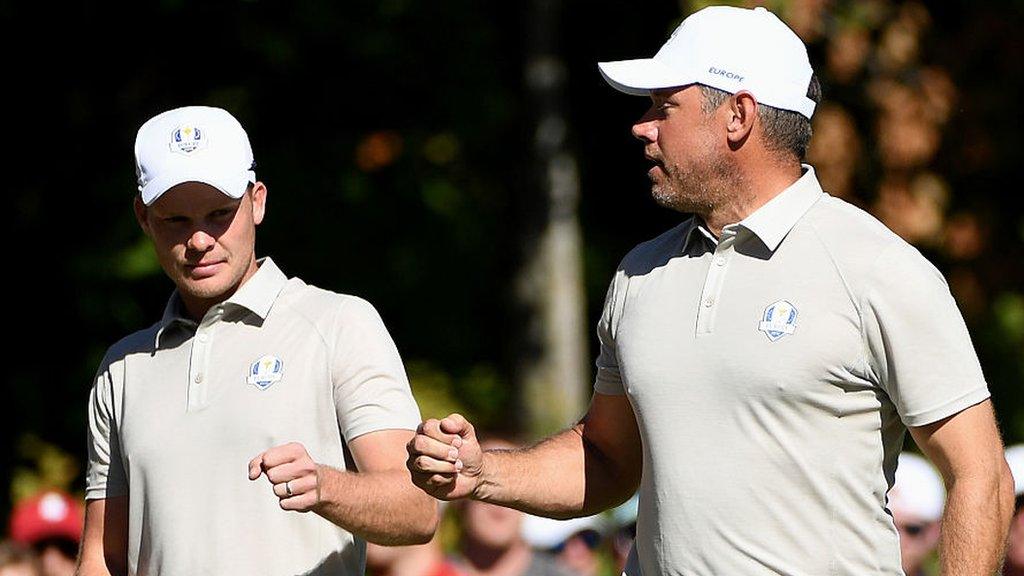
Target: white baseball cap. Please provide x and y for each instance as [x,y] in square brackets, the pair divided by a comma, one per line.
[1015,459]
[918,490]
[193,144]
[545,533]
[728,48]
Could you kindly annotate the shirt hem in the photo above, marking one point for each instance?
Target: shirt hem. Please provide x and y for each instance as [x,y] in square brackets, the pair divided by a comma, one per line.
[351,435]
[975,396]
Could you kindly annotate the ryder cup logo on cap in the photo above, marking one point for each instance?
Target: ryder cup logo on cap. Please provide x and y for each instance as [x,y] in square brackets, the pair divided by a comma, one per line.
[187,139]
[728,48]
[193,144]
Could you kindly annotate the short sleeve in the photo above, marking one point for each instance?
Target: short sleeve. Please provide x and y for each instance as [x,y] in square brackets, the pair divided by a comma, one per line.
[608,379]
[371,389]
[105,476]
[918,344]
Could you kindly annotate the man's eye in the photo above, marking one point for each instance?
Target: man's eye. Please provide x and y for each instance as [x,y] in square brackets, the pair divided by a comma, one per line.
[175,219]
[221,213]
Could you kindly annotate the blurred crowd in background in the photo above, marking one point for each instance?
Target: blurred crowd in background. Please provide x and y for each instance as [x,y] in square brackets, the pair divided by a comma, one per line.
[480,539]
[406,167]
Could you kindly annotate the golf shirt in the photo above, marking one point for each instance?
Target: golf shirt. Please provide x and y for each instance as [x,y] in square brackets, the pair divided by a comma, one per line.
[179,409]
[773,372]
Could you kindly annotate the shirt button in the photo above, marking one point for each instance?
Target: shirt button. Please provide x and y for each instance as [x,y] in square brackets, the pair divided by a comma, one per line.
[720,260]
[709,302]
[203,338]
[199,378]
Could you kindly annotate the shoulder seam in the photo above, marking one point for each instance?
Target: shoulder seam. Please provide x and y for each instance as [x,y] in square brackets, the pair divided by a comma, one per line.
[855,297]
[305,317]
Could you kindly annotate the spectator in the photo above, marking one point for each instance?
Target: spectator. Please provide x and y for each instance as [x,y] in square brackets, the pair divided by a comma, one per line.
[624,517]
[51,523]
[492,544]
[916,501]
[575,543]
[421,560]
[17,560]
[1014,564]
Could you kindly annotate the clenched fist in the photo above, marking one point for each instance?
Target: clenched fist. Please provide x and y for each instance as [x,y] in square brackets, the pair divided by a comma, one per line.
[445,458]
[293,474]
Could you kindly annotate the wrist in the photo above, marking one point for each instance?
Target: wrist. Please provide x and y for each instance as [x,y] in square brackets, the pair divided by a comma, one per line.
[323,473]
[483,486]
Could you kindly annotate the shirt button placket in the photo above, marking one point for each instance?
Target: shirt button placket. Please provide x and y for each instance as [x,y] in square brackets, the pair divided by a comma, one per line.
[713,282]
[198,382]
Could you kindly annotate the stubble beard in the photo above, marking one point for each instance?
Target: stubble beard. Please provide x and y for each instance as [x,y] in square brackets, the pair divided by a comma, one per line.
[700,188]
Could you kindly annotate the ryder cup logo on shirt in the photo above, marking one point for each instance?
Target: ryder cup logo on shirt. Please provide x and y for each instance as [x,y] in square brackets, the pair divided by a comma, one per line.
[779,320]
[188,139]
[265,371]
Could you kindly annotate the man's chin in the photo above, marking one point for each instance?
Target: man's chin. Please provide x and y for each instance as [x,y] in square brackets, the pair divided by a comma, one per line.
[666,198]
[211,288]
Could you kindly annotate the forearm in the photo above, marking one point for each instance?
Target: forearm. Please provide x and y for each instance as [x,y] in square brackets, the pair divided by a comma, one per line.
[975,524]
[104,548]
[561,477]
[381,507]
[92,567]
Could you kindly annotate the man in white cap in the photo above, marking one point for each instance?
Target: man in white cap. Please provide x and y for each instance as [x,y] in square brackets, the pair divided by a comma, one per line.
[761,362]
[248,375]
[916,501]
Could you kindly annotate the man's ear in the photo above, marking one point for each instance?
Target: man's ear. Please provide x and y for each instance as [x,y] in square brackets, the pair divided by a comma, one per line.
[141,212]
[259,202]
[742,113]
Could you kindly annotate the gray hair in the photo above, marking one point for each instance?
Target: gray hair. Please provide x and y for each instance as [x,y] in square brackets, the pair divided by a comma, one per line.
[785,131]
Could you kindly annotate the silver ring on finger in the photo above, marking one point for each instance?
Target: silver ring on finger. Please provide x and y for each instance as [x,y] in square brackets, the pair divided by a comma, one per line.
[288,488]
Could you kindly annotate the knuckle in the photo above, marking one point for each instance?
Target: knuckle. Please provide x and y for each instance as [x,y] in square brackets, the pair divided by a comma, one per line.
[437,481]
[421,443]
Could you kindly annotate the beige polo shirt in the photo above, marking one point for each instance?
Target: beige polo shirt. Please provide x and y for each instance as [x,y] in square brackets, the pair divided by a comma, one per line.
[773,373]
[179,409]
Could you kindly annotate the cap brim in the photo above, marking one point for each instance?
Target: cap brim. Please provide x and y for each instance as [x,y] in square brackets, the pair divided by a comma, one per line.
[546,533]
[232,187]
[639,77]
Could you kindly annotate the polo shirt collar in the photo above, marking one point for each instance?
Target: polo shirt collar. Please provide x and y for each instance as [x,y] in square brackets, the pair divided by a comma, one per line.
[257,295]
[777,217]
[697,232]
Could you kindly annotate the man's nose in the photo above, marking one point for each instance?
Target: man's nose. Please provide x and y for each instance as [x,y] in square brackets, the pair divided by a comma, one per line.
[200,241]
[645,130]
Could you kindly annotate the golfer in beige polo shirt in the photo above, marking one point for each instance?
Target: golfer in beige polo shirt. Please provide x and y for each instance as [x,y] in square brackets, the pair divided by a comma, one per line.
[255,400]
[761,362]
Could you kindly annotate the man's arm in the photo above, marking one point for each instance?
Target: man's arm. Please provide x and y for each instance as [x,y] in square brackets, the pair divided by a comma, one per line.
[592,466]
[104,549]
[967,450]
[377,502]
